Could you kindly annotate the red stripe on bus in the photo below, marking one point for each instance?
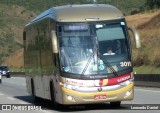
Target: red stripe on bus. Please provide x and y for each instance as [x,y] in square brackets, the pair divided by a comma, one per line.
[101,82]
[117,80]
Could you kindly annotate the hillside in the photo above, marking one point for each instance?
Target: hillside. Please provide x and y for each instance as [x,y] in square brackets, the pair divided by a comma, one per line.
[15,59]
[14,15]
[37,6]
[148,26]
[150,37]
[139,19]
[12,21]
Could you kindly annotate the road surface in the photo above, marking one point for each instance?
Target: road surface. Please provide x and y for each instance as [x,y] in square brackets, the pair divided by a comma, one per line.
[13,91]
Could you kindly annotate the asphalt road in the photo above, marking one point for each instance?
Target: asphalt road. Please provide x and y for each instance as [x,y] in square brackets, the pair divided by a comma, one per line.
[13,91]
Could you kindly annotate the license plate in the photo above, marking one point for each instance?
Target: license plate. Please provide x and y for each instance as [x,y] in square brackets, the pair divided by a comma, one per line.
[100,97]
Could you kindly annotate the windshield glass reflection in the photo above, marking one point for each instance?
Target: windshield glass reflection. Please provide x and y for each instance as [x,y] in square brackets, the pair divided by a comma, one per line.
[93,48]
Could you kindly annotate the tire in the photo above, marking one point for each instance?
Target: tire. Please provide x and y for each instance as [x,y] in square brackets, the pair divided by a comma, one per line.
[0,78]
[8,76]
[35,98]
[52,93]
[115,104]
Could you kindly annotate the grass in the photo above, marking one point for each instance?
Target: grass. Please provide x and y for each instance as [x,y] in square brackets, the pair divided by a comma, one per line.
[12,21]
[146,59]
[17,70]
[149,32]
[146,70]
[148,24]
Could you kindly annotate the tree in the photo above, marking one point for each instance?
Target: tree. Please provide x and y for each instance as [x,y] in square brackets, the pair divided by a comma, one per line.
[152,4]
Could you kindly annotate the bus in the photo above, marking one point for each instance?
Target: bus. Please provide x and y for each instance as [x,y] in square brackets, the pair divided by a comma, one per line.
[79,54]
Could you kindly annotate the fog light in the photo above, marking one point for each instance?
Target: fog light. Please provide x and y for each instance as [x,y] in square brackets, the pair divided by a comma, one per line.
[127,94]
[70,98]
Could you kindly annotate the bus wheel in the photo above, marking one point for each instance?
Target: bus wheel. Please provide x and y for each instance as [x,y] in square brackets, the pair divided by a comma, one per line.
[0,81]
[115,104]
[52,93]
[35,98]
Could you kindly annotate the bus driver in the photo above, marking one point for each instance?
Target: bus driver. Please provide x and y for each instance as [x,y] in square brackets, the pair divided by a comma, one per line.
[109,52]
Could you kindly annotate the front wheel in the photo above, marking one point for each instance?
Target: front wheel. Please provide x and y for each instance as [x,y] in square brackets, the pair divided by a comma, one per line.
[0,79]
[8,76]
[115,104]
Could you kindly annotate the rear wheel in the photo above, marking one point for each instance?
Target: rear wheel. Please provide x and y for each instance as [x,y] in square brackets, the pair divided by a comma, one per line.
[0,81]
[35,98]
[53,96]
[115,104]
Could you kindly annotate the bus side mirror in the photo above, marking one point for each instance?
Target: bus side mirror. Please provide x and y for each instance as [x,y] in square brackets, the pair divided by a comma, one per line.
[136,37]
[54,41]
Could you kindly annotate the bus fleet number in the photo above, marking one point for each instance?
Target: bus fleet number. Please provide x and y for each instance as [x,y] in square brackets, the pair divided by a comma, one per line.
[125,64]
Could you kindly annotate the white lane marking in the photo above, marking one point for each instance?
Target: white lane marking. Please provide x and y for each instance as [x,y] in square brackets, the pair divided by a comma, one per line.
[149,90]
[11,98]
[45,111]
[23,102]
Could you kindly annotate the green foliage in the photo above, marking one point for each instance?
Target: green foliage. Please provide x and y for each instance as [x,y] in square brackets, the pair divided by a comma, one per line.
[146,69]
[127,6]
[152,4]
[2,23]
[8,43]
[1,58]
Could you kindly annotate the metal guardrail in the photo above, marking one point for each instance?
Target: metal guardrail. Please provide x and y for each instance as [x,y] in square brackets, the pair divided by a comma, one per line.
[17,73]
[146,80]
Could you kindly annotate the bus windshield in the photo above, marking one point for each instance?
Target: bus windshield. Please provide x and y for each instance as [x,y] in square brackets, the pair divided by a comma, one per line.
[93,48]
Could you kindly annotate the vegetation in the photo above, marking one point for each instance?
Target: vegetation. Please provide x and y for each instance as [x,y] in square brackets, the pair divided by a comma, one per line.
[147,70]
[150,36]
[14,14]
[12,20]
[152,4]
[127,6]
[148,56]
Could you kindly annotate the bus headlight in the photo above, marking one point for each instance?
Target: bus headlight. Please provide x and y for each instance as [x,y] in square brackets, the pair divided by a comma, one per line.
[126,83]
[68,86]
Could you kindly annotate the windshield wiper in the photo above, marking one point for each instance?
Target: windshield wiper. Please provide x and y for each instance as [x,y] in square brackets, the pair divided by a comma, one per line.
[108,65]
[98,55]
[86,66]
[90,59]
[111,68]
[106,62]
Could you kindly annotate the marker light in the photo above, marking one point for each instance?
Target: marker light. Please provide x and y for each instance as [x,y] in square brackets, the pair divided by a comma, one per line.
[70,98]
[128,93]
[91,19]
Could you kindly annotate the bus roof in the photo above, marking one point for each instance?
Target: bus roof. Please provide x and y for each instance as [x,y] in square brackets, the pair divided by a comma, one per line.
[81,13]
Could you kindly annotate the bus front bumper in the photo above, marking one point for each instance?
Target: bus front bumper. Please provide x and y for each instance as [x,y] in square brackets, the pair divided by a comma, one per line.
[71,97]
